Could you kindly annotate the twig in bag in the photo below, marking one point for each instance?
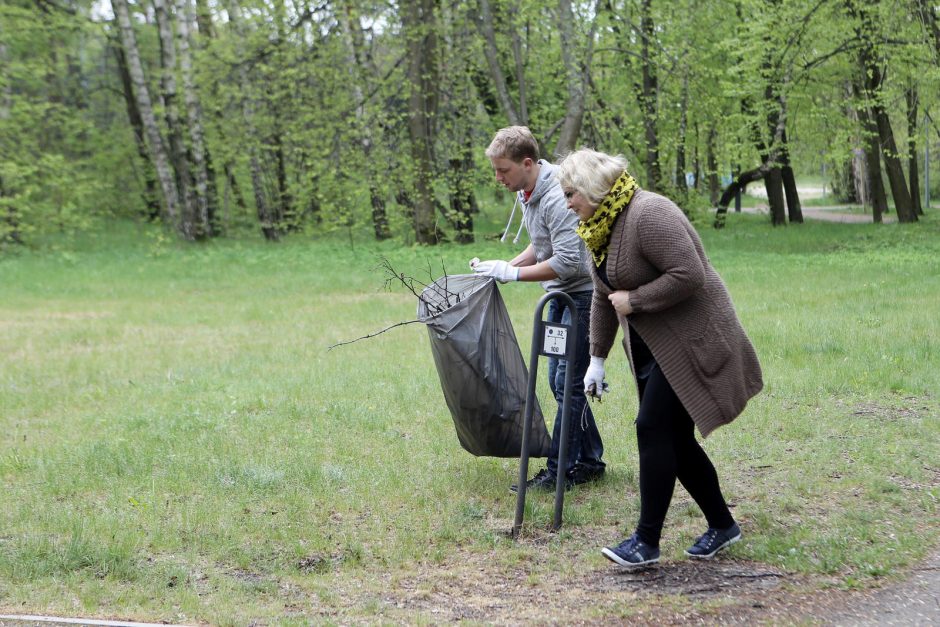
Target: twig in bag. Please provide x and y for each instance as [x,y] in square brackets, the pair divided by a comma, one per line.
[447,297]
[365,337]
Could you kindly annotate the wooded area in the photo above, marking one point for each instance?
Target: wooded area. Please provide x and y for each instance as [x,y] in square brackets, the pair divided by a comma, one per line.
[293,116]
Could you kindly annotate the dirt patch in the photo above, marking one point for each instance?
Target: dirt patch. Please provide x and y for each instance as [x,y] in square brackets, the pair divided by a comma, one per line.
[688,578]
[544,582]
[727,591]
[549,584]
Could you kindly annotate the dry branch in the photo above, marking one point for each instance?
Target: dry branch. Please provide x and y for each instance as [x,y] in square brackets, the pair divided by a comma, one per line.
[447,299]
[365,337]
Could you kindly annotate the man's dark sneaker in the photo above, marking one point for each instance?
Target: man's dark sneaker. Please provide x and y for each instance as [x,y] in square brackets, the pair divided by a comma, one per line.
[580,474]
[543,480]
[712,541]
[632,553]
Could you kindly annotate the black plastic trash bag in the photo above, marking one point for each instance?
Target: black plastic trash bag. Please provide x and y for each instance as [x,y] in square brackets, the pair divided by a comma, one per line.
[482,372]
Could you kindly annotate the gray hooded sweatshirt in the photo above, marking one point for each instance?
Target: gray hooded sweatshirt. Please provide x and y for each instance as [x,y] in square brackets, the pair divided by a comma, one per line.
[551,227]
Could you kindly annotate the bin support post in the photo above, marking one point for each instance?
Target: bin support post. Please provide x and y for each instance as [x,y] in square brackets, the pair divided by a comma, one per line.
[567,334]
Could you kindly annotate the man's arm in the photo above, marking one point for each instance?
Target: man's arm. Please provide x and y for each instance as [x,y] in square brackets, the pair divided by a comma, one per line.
[525,258]
[567,249]
[529,270]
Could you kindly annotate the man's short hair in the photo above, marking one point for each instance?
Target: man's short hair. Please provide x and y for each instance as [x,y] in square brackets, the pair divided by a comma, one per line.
[514,143]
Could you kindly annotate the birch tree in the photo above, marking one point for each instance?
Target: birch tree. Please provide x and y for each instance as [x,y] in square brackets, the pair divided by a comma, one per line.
[155,140]
[205,187]
[267,218]
[170,96]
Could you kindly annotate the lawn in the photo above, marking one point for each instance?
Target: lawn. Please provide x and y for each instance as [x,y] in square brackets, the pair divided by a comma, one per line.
[178,444]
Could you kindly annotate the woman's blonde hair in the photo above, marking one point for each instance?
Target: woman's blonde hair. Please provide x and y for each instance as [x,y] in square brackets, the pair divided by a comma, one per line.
[590,173]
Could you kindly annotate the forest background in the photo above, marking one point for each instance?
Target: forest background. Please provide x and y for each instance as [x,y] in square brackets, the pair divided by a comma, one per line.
[288,116]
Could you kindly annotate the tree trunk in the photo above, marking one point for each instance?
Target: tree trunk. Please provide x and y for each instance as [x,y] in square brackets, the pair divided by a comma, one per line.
[873,77]
[10,233]
[208,31]
[137,124]
[269,226]
[680,143]
[843,184]
[928,15]
[794,207]
[574,104]
[284,210]
[484,22]
[714,183]
[359,71]
[856,179]
[860,177]
[770,152]
[902,197]
[576,78]
[460,178]
[912,168]
[232,181]
[876,189]
[462,200]
[154,139]
[516,42]
[205,204]
[739,183]
[204,19]
[648,99]
[418,26]
[458,107]
[184,183]
[773,182]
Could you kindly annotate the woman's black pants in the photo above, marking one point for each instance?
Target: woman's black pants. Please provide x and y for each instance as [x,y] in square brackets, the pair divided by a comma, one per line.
[669,451]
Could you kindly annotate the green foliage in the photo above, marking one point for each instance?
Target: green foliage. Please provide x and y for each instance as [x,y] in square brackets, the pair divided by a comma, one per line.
[56,137]
[320,97]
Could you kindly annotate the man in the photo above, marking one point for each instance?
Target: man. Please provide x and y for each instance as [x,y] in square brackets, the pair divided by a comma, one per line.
[558,259]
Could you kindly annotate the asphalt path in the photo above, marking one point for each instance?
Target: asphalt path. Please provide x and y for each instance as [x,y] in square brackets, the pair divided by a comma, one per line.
[915,601]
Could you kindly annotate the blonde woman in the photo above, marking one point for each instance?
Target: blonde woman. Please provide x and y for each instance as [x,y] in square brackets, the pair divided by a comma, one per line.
[692,361]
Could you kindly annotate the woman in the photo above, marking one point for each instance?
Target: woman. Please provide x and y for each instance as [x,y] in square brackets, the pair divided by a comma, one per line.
[693,363]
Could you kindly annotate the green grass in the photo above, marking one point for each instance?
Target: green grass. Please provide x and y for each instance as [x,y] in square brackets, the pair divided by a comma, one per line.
[176,442]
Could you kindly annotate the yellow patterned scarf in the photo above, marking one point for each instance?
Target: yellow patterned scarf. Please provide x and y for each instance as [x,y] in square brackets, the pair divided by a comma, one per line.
[596,231]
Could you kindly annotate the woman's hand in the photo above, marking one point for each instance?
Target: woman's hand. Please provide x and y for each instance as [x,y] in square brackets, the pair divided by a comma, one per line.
[621,302]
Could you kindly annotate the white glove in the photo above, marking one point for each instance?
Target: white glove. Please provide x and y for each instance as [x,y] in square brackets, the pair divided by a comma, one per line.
[498,269]
[594,384]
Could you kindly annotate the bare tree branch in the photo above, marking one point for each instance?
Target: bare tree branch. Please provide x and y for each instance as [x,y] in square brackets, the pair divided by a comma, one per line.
[365,337]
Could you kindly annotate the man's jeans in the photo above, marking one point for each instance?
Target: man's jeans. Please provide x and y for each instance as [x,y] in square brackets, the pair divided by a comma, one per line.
[584,440]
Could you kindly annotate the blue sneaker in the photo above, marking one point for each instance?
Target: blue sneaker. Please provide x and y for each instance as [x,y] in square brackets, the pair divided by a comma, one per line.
[632,553]
[712,541]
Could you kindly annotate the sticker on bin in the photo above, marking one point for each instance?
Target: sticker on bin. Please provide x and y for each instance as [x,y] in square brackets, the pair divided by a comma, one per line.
[556,339]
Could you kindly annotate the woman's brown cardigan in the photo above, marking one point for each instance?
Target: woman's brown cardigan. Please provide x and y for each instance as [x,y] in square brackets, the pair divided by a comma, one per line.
[681,309]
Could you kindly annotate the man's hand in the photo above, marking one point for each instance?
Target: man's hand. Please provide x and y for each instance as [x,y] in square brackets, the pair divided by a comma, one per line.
[594,384]
[498,269]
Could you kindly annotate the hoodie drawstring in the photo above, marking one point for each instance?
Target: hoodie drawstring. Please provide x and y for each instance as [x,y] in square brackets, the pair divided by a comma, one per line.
[512,214]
